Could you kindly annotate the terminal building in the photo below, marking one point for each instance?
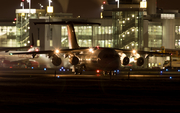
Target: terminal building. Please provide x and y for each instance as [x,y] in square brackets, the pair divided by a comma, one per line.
[127,24]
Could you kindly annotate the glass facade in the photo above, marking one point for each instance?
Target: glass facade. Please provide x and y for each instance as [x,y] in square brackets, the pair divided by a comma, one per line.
[177,37]
[89,36]
[22,24]
[8,36]
[128,29]
[155,35]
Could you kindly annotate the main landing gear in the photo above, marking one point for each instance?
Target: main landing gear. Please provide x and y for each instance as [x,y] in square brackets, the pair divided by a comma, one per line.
[111,73]
[78,69]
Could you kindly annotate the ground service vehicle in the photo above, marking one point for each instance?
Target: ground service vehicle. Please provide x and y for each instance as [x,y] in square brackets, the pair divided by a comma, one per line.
[173,64]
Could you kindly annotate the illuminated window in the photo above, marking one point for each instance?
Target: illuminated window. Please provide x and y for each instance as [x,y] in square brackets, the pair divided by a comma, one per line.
[155,35]
[51,43]
[167,16]
[38,43]
[177,37]
[64,31]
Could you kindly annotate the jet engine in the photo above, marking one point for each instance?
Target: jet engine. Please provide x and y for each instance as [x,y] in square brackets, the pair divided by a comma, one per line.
[140,61]
[125,61]
[56,60]
[74,60]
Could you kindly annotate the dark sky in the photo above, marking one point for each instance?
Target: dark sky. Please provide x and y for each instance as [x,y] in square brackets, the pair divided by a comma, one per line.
[84,8]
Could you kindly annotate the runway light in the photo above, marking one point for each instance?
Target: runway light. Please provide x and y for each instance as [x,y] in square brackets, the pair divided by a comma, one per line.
[178,70]
[166,69]
[64,69]
[44,69]
[60,69]
[57,76]
[32,67]
[117,71]
[170,77]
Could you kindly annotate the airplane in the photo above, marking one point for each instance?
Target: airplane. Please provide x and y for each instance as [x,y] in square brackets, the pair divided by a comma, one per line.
[86,58]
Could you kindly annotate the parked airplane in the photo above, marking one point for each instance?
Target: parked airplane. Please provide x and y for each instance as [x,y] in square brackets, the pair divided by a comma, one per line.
[96,58]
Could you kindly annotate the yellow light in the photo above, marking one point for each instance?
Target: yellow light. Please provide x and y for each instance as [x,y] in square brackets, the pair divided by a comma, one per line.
[91,50]
[143,4]
[22,14]
[57,51]
[50,9]
[134,51]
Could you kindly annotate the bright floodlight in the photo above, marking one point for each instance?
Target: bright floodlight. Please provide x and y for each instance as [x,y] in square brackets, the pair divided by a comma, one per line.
[91,50]
[57,51]
[134,51]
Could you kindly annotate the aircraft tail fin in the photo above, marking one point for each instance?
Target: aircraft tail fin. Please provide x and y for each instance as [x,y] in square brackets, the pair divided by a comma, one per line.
[71,32]
[73,44]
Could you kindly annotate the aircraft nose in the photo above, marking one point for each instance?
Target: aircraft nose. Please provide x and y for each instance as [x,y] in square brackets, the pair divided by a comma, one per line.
[111,63]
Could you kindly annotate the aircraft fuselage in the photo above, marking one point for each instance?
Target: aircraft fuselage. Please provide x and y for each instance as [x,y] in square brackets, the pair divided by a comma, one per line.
[106,59]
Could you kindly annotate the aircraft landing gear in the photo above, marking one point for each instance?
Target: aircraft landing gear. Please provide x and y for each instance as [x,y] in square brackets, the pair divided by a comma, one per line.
[79,69]
[112,73]
[104,73]
[109,73]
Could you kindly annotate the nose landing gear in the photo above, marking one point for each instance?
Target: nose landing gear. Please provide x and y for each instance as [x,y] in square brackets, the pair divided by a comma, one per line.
[78,69]
[111,73]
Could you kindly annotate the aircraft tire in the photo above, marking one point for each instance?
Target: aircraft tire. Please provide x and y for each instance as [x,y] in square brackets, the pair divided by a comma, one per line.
[76,71]
[111,73]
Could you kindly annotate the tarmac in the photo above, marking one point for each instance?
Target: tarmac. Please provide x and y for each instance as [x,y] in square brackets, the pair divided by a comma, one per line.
[39,91]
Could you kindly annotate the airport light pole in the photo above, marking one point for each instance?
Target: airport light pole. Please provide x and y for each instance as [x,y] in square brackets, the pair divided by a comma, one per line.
[117,3]
[22,5]
[29,1]
[50,1]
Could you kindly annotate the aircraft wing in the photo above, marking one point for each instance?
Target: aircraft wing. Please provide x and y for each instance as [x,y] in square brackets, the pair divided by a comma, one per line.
[141,52]
[153,53]
[6,49]
[51,52]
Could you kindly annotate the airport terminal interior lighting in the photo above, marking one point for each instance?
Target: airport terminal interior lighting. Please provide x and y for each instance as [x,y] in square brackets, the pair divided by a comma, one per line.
[143,4]
[50,8]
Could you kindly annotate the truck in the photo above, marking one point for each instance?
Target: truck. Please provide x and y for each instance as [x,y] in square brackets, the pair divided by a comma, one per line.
[173,64]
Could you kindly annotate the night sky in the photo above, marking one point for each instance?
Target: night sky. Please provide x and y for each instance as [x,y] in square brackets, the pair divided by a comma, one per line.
[84,8]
